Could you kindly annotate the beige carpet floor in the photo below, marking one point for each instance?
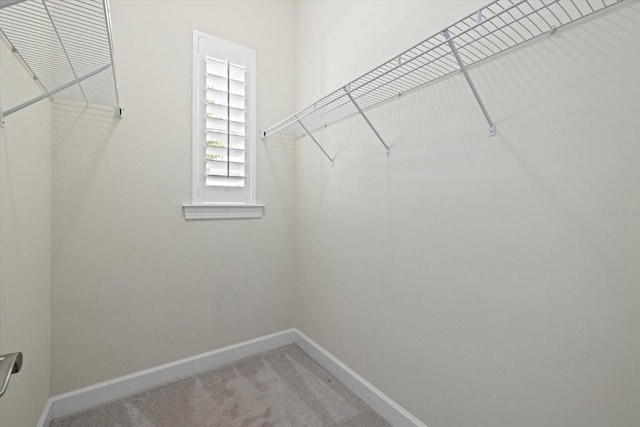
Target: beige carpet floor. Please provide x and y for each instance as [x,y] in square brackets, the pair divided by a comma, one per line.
[282,387]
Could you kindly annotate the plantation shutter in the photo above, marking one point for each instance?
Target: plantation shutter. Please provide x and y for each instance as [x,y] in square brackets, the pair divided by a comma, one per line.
[225,108]
[224,123]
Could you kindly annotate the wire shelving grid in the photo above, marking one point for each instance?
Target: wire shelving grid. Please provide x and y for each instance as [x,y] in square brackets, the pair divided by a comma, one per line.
[66,46]
[495,28]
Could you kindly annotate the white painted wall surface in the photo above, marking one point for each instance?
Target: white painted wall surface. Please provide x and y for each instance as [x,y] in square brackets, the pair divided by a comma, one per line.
[135,285]
[477,281]
[25,243]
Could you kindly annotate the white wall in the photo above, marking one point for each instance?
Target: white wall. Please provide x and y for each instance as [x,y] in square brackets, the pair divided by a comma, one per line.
[25,243]
[134,284]
[477,281]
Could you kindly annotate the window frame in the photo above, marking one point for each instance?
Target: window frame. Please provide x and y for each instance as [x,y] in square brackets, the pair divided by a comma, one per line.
[203,205]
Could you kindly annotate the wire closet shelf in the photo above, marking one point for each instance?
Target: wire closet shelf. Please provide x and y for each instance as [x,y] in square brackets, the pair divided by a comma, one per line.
[495,28]
[67,48]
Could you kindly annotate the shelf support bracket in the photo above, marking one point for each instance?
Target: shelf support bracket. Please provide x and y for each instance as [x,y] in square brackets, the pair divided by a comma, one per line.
[54,91]
[315,140]
[366,119]
[463,68]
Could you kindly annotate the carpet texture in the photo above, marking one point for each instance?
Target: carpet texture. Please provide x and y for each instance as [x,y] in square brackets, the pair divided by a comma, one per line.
[282,387]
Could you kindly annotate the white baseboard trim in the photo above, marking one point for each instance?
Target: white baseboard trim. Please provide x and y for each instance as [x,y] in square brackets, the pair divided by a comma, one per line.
[118,388]
[395,414]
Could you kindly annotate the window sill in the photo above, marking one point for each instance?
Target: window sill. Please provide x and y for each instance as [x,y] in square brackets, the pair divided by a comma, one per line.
[223,211]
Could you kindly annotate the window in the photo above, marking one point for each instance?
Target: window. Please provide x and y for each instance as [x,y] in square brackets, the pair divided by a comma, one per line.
[224,130]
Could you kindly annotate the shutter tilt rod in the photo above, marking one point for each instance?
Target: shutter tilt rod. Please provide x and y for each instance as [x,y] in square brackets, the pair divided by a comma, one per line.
[228,116]
[314,140]
[463,68]
[53,91]
[346,90]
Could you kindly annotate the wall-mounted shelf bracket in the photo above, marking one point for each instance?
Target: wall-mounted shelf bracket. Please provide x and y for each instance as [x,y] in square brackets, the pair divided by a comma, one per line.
[315,140]
[463,68]
[366,119]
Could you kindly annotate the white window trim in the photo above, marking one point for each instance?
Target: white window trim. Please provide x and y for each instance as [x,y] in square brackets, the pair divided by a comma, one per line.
[198,210]
[222,211]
